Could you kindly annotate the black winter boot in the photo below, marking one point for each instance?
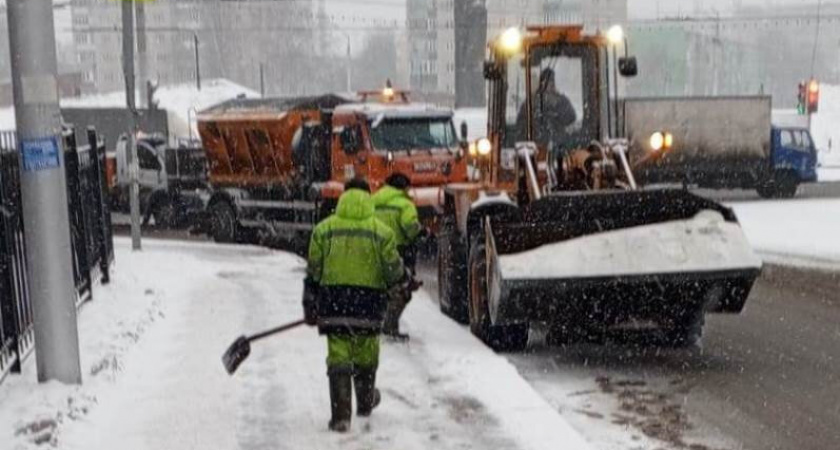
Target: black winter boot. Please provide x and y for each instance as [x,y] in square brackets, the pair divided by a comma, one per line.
[341,401]
[396,305]
[367,396]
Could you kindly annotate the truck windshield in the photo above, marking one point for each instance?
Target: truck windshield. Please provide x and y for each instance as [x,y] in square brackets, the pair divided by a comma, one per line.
[434,134]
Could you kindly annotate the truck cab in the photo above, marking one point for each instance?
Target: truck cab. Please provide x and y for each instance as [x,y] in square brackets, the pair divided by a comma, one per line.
[418,140]
[794,150]
[167,177]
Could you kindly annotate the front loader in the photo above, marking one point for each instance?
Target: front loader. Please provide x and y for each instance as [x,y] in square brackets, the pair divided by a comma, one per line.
[557,231]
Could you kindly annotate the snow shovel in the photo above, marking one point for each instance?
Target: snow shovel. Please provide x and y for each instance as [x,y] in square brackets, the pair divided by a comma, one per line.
[241,348]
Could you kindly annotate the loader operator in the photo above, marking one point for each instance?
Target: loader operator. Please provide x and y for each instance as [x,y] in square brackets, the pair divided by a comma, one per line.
[395,209]
[553,113]
[353,261]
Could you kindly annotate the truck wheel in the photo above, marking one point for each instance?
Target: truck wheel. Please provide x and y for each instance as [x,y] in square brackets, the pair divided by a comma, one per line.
[223,226]
[788,184]
[452,279]
[164,214]
[501,338]
[766,190]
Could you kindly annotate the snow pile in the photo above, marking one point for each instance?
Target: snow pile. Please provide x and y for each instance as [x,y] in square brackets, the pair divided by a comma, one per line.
[825,125]
[796,231]
[443,390]
[704,243]
[181,101]
[117,320]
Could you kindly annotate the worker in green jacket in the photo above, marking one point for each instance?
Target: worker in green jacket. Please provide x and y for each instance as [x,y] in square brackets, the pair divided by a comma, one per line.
[395,208]
[353,261]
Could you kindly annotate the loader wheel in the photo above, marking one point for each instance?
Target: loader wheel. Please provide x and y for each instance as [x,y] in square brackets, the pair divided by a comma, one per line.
[452,279]
[501,338]
[686,331]
[164,214]
[223,225]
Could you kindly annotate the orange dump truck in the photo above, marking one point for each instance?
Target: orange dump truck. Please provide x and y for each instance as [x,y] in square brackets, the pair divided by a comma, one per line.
[278,166]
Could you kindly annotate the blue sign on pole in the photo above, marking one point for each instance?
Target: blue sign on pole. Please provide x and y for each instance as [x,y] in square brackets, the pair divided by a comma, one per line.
[40,154]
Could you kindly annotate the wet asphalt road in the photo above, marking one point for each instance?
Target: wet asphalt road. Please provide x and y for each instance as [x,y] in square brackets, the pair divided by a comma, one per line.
[766,379]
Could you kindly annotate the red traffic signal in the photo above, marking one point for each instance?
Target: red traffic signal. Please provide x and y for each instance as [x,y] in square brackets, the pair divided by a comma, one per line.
[813,96]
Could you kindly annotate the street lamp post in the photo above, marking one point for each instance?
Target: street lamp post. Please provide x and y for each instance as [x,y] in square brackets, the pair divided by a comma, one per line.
[348,60]
[197,62]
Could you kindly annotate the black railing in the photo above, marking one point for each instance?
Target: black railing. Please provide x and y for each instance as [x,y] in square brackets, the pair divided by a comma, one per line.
[91,238]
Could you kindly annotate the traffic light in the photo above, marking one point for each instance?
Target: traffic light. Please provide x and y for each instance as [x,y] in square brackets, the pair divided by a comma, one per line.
[802,97]
[813,96]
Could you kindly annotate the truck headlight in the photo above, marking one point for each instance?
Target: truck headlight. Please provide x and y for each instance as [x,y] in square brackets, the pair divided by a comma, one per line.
[657,141]
[669,140]
[473,149]
[484,146]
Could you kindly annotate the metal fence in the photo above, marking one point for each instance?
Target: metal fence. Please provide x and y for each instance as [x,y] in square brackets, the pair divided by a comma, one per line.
[90,232]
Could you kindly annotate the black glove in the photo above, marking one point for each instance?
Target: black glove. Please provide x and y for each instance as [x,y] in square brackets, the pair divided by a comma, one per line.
[310,301]
[424,233]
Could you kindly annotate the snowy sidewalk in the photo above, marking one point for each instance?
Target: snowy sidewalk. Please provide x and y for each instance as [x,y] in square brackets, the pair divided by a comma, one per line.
[165,387]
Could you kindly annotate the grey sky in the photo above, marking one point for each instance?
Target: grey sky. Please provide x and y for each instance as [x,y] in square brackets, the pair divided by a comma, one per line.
[395,9]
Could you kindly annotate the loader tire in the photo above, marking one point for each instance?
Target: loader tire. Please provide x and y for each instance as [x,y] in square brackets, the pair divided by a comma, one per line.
[686,331]
[452,280]
[501,338]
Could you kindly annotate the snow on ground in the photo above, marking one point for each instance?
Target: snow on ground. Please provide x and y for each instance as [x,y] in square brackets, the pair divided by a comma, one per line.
[828,174]
[793,231]
[152,342]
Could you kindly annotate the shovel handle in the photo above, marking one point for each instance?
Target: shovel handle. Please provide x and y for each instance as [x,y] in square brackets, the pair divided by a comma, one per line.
[279,329]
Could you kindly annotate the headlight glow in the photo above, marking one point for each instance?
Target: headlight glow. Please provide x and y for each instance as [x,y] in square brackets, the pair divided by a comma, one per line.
[669,140]
[511,40]
[484,146]
[657,141]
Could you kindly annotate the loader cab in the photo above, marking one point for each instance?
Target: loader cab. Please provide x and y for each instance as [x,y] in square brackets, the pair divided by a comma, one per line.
[554,91]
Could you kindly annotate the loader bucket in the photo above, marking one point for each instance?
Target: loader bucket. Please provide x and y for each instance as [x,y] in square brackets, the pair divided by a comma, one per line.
[622,254]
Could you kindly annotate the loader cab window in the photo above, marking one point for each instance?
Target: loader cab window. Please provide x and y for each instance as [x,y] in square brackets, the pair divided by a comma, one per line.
[434,134]
[146,158]
[562,114]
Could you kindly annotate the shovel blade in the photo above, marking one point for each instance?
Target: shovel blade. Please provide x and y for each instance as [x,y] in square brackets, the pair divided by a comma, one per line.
[236,354]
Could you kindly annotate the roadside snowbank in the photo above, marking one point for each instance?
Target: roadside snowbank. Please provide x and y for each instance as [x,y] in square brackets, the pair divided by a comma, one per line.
[119,316]
[795,231]
[443,390]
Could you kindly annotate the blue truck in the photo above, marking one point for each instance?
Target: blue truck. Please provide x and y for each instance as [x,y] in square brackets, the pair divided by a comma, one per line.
[717,143]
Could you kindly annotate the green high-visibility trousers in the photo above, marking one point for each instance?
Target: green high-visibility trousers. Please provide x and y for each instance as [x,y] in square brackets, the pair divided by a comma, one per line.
[349,352]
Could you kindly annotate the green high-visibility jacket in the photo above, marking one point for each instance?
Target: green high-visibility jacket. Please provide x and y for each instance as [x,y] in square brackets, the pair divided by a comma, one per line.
[395,209]
[353,248]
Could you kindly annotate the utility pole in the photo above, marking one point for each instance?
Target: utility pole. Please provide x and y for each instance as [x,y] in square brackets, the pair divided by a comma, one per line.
[131,122]
[49,265]
[348,62]
[142,53]
[262,80]
[197,62]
